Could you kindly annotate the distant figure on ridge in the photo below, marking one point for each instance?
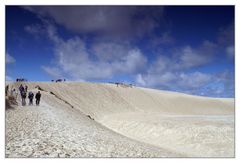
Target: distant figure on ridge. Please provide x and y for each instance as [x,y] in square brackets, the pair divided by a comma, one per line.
[30,97]
[58,80]
[38,97]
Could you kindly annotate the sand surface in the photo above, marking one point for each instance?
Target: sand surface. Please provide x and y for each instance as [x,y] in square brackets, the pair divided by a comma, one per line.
[128,122]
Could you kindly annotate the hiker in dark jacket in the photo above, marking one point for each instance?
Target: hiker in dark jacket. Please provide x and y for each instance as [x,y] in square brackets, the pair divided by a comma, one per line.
[23,95]
[21,88]
[38,97]
[30,97]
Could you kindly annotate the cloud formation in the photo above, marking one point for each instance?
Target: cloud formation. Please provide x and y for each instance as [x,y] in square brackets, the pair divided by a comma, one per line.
[80,58]
[120,21]
[171,72]
[52,71]
[197,83]
[100,62]
[104,60]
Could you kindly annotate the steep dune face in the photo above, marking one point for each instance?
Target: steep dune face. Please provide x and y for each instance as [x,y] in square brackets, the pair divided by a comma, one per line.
[190,125]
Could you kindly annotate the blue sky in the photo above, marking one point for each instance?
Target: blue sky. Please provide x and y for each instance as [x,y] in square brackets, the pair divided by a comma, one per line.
[187,49]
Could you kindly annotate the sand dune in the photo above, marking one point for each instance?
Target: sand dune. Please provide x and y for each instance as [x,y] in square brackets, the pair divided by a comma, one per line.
[128,122]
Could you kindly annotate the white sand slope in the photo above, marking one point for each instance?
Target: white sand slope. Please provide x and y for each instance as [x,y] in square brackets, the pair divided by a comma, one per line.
[138,122]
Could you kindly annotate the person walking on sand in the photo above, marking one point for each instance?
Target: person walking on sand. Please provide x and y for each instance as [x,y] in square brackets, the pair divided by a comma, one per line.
[23,95]
[26,88]
[30,97]
[38,97]
[21,89]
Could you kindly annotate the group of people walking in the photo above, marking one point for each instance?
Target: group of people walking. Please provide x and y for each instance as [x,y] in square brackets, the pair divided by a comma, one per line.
[23,92]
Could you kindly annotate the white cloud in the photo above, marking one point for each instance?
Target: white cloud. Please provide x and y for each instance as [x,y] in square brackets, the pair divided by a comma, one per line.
[34,29]
[198,83]
[179,80]
[170,72]
[102,61]
[190,58]
[110,51]
[221,85]
[164,79]
[52,71]
[161,64]
[139,80]
[193,80]
[183,58]
[193,57]
[9,59]
[164,38]
[134,61]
